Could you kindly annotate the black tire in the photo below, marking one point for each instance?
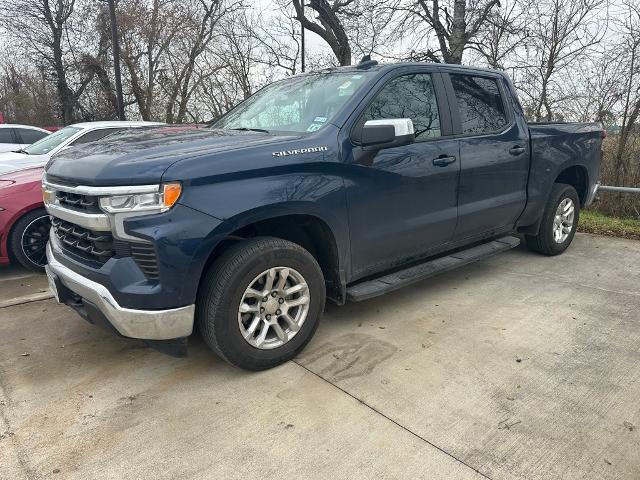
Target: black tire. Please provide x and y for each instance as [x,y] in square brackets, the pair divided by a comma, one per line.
[222,290]
[30,252]
[544,241]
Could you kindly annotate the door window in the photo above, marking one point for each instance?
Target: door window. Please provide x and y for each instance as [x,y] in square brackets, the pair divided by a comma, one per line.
[409,96]
[29,136]
[94,136]
[6,135]
[479,103]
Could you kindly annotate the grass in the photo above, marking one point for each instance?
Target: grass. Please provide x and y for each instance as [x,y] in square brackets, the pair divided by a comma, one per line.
[594,222]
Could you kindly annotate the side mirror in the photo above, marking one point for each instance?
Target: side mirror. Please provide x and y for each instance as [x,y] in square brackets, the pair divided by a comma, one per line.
[386,133]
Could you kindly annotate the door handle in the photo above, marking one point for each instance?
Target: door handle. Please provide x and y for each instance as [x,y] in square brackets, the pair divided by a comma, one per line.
[443,160]
[517,150]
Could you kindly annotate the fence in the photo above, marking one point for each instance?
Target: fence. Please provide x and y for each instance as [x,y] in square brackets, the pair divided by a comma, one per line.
[607,188]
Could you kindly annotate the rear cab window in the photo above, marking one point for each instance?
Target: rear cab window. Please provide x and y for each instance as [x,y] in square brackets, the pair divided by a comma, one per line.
[480,104]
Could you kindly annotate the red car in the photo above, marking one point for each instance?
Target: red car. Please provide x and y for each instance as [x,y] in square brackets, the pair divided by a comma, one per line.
[24,223]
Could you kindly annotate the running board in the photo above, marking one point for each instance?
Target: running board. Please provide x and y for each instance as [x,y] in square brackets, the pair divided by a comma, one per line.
[394,281]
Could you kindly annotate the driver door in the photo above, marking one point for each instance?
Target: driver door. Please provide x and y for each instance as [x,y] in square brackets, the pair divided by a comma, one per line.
[402,200]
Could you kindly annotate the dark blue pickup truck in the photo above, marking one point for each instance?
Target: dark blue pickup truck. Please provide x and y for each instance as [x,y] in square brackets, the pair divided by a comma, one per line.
[345,184]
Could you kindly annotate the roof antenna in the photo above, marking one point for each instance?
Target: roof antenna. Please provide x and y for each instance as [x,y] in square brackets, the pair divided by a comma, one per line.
[366,62]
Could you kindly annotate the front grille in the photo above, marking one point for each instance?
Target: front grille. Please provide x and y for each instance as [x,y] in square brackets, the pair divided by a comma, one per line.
[75,201]
[88,244]
[98,247]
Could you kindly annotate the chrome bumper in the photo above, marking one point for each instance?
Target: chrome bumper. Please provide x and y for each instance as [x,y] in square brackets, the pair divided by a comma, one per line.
[592,194]
[142,324]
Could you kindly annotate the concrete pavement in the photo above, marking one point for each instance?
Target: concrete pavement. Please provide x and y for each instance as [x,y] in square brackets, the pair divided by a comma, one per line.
[519,366]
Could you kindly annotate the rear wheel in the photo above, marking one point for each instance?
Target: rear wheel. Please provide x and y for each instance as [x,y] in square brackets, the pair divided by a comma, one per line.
[559,221]
[260,302]
[28,239]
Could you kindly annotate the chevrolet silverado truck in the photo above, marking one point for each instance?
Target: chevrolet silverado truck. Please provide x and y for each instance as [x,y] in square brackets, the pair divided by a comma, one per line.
[344,184]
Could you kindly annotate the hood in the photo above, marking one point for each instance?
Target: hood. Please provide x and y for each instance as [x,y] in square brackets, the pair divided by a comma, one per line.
[14,162]
[141,157]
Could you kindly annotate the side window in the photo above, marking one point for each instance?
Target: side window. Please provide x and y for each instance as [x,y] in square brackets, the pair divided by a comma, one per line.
[479,103]
[409,96]
[94,136]
[30,136]
[6,135]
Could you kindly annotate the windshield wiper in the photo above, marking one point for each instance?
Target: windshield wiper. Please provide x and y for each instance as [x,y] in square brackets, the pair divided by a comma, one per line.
[245,129]
[22,150]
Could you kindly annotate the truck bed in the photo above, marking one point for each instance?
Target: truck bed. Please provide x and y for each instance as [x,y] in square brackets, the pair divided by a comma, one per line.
[564,151]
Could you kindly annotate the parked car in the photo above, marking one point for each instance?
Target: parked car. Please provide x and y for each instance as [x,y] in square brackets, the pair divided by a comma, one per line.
[16,137]
[24,223]
[346,183]
[38,153]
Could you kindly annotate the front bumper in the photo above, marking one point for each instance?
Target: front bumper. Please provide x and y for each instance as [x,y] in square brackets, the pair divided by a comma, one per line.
[92,299]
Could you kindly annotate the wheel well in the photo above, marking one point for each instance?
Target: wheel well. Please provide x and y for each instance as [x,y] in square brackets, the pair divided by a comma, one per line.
[575,176]
[308,231]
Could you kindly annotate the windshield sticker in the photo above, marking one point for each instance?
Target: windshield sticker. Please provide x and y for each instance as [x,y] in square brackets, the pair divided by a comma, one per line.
[320,119]
[314,126]
[356,77]
[346,84]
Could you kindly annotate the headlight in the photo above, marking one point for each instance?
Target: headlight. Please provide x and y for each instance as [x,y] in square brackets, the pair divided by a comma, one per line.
[160,201]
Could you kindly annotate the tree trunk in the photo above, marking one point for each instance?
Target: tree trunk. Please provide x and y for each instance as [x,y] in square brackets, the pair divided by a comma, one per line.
[65,95]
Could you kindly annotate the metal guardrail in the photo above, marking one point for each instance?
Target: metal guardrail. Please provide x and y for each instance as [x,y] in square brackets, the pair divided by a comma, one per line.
[606,188]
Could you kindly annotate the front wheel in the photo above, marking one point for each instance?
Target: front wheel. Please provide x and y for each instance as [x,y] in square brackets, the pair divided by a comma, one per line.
[559,221]
[28,239]
[260,302]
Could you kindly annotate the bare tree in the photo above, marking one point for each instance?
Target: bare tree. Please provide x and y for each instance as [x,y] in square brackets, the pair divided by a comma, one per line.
[200,30]
[454,24]
[145,46]
[504,31]
[26,96]
[43,28]
[328,25]
[630,29]
[593,89]
[278,40]
[560,33]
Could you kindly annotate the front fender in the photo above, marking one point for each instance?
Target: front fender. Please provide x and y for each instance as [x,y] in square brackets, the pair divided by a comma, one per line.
[245,201]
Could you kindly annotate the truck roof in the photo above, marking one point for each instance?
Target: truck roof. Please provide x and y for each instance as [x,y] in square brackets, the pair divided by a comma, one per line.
[383,67]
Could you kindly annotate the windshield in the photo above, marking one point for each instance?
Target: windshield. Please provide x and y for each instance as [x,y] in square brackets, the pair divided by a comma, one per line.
[298,104]
[50,142]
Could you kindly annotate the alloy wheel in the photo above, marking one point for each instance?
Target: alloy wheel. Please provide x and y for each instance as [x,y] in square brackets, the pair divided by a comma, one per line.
[563,220]
[34,240]
[273,308]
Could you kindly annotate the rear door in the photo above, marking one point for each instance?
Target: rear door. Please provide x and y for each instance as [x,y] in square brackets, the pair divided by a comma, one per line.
[494,154]
[402,200]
